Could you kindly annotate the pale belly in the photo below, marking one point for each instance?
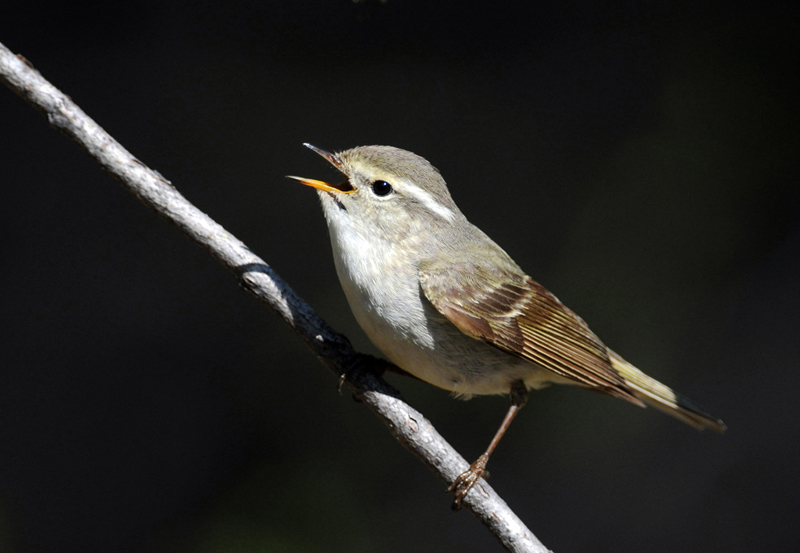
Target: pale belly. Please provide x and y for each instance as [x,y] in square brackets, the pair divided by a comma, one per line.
[392,310]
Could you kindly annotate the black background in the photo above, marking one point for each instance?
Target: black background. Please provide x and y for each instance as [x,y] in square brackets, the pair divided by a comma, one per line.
[641,161]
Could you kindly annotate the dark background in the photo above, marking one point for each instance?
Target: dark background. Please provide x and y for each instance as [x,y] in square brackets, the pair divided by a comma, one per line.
[640,161]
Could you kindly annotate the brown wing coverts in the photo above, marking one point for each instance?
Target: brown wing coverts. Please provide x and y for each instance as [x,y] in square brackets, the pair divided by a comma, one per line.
[518,315]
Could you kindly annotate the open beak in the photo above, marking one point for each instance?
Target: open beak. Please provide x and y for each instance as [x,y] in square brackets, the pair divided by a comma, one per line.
[333,159]
[343,188]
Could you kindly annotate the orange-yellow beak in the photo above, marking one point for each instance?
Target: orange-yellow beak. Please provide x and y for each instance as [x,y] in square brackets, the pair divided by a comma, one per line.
[343,188]
[333,159]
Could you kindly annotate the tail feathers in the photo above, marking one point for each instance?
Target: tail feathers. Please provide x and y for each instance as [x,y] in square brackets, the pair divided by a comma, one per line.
[656,394]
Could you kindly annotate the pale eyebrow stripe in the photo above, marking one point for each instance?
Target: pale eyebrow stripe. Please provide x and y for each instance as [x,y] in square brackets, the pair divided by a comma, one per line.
[426,198]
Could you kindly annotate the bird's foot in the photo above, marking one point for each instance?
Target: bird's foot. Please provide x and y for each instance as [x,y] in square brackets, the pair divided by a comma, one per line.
[362,363]
[467,479]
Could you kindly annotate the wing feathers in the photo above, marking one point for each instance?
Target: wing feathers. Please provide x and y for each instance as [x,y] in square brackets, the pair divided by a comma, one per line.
[510,311]
[516,314]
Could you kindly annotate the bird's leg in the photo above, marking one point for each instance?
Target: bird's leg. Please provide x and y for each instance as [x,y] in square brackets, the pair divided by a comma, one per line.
[375,365]
[464,483]
[362,362]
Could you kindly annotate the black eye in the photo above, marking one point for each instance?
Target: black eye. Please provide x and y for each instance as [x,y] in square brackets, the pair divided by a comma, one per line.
[381,187]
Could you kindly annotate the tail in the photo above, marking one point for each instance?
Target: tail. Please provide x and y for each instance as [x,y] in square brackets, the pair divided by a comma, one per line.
[656,394]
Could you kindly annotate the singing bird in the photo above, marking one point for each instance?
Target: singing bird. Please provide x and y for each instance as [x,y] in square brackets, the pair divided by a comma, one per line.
[446,304]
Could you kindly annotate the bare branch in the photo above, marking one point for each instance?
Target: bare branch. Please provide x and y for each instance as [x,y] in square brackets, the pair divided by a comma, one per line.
[410,428]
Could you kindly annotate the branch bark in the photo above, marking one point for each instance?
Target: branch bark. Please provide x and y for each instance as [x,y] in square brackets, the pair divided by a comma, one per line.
[409,426]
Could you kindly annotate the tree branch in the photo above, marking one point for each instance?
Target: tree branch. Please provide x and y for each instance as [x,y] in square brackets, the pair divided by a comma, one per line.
[410,428]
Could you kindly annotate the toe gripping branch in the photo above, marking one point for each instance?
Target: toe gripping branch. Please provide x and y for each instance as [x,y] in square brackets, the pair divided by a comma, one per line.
[467,479]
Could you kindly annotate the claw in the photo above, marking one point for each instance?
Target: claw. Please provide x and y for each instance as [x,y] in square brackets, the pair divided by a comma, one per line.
[467,480]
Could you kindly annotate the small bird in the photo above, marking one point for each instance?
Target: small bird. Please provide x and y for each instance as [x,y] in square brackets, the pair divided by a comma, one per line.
[446,304]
